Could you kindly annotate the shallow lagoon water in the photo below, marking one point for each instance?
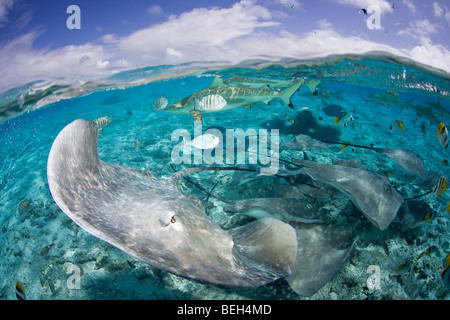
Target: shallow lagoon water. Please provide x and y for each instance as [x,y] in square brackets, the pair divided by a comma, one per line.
[41,245]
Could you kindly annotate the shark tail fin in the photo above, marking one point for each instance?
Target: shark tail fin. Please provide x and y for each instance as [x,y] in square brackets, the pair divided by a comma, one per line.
[286,94]
[266,247]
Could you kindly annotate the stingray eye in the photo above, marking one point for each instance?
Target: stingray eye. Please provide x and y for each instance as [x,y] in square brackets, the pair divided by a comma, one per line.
[172,220]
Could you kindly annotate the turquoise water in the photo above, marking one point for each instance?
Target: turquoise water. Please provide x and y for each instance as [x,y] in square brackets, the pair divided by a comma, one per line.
[40,243]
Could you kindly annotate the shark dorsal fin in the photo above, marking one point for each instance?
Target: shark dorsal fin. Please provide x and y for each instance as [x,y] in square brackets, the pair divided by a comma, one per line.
[217,82]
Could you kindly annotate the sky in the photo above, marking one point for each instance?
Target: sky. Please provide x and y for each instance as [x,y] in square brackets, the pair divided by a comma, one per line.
[37,39]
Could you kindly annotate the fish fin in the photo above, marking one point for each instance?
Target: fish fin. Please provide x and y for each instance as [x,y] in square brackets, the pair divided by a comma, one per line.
[217,82]
[197,115]
[286,94]
[312,85]
[323,251]
[267,245]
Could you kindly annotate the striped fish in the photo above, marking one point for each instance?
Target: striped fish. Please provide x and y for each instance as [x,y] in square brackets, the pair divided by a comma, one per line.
[442,135]
[440,186]
[24,206]
[102,122]
[212,102]
[20,291]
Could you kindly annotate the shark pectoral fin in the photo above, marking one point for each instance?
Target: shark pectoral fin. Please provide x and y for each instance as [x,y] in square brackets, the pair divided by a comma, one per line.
[266,248]
[197,115]
[247,107]
[312,85]
[286,94]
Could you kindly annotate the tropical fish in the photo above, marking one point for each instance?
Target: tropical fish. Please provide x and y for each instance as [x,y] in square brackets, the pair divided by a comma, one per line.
[211,102]
[430,214]
[343,120]
[430,250]
[20,291]
[102,122]
[205,141]
[445,162]
[442,135]
[445,275]
[234,97]
[137,144]
[397,125]
[403,268]
[160,104]
[440,186]
[427,252]
[289,121]
[447,261]
[448,208]
[344,145]
[24,206]
[46,249]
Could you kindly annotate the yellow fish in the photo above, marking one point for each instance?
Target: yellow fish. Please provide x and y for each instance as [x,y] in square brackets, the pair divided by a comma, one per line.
[344,145]
[440,186]
[397,125]
[342,121]
[20,291]
[403,268]
[442,135]
[447,262]
[445,162]
[430,215]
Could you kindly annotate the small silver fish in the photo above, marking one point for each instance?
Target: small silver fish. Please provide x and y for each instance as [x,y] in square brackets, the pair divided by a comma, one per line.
[160,104]
[102,122]
[205,141]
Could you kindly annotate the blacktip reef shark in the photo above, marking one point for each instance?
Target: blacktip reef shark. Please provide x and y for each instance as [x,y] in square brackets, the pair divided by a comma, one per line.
[153,221]
[259,83]
[219,97]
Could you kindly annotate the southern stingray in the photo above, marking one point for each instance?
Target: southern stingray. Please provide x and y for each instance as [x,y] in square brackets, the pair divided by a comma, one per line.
[407,159]
[372,193]
[153,221]
[321,252]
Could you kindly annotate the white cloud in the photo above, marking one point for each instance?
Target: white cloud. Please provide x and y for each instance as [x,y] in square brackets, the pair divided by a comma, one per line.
[420,29]
[5,7]
[384,5]
[155,10]
[244,31]
[410,5]
[438,11]
[324,24]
